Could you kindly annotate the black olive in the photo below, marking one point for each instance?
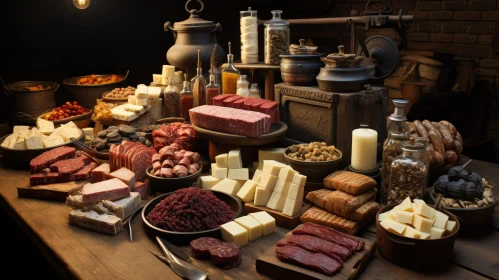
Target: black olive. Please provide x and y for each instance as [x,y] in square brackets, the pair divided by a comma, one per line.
[475,178]
[441,185]
[464,175]
[473,191]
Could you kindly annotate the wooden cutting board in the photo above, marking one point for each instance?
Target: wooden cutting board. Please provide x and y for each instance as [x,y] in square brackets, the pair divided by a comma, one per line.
[57,192]
[268,264]
[281,220]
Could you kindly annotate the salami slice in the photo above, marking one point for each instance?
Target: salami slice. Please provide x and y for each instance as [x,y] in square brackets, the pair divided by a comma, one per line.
[200,248]
[225,255]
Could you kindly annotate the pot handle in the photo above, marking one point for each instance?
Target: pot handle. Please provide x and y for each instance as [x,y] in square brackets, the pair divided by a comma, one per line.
[126,76]
[168,27]
[194,12]
[218,27]
[407,243]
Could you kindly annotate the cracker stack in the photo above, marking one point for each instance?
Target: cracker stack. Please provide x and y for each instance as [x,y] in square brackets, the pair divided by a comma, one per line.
[346,204]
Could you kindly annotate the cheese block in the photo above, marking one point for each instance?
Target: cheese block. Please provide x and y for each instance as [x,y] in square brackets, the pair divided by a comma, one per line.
[207,182]
[20,143]
[89,132]
[238,174]
[404,217]
[247,191]
[100,173]
[112,189]
[406,205]
[393,226]
[122,115]
[267,181]
[422,224]
[451,225]
[227,186]
[222,160]
[254,227]
[256,176]
[34,142]
[125,175]
[299,180]
[20,130]
[68,132]
[423,210]
[273,167]
[436,233]
[6,141]
[133,108]
[233,232]
[92,220]
[124,207]
[296,191]
[411,232]
[153,92]
[255,165]
[267,221]
[52,140]
[44,126]
[262,196]
[142,102]
[282,186]
[234,159]
[218,172]
[276,201]
[292,207]
[286,174]
[384,216]
[424,235]
[32,132]
[276,154]
[132,99]
[440,220]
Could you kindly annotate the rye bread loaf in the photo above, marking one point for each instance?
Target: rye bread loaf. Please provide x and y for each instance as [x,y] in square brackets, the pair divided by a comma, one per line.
[349,182]
[365,212]
[339,202]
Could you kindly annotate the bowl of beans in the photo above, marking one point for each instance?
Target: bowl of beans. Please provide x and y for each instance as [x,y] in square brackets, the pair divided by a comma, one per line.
[118,94]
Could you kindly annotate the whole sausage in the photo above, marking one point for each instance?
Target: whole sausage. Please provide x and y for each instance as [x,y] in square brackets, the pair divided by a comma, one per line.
[430,151]
[451,157]
[412,126]
[436,128]
[459,138]
[421,129]
[447,138]
[458,147]
[437,142]
[439,159]
[429,127]
[452,129]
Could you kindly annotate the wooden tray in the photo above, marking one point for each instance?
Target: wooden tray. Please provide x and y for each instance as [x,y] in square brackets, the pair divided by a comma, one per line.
[268,264]
[57,191]
[281,220]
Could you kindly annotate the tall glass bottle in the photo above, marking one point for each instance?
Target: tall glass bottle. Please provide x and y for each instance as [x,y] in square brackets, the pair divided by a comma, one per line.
[249,36]
[398,132]
[230,75]
[276,39]
[198,85]
[186,99]
[212,90]
[172,100]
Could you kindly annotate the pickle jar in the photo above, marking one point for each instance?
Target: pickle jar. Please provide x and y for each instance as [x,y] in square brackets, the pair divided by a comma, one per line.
[276,38]
[408,174]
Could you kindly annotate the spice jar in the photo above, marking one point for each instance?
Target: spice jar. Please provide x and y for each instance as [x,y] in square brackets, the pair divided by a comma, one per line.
[212,90]
[398,132]
[186,100]
[408,173]
[249,36]
[230,75]
[254,91]
[242,86]
[276,41]
[423,155]
[172,100]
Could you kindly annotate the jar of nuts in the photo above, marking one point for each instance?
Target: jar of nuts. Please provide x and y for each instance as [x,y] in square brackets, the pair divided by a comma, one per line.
[408,174]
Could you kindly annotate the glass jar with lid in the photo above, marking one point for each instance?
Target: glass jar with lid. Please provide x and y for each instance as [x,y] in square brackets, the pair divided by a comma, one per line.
[172,100]
[243,86]
[254,91]
[249,36]
[408,173]
[276,38]
[423,155]
[398,132]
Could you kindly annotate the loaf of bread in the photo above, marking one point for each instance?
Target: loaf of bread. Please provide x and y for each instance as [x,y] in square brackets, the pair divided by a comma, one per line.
[349,182]
[322,217]
[339,202]
[108,224]
[364,213]
[318,197]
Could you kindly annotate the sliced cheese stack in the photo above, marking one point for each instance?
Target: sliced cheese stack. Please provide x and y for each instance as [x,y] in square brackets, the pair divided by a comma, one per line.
[276,154]
[248,228]
[416,220]
[227,173]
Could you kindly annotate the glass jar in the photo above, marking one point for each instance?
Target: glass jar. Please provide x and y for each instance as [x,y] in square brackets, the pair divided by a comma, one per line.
[186,100]
[276,39]
[172,100]
[243,86]
[398,132]
[249,36]
[230,75]
[212,90]
[254,91]
[408,174]
[423,156]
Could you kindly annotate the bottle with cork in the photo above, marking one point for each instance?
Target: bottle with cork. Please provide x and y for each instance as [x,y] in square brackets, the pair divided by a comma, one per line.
[198,85]
[186,99]
[230,75]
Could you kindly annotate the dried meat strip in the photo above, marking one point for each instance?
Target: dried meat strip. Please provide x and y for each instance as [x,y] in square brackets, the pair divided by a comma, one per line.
[317,245]
[331,235]
[315,261]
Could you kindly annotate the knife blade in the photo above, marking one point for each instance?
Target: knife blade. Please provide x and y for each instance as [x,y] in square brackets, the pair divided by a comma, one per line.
[176,250]
[177,268]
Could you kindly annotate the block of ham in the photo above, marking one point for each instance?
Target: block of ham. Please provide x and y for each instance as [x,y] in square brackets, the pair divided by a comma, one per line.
[100,173]
[45,159]
[264,106]
[230,120]
[112,189]
[315,261]
[143,188]
[125,175]
[218,100]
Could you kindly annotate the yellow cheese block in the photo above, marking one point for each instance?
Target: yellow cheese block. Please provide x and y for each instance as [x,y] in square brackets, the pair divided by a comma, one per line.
[276,201]
[218,172]
[262,196]
[421,223]
[239,174]
[222,160]
[207,182]
[273,167]
[406,205]
[436,233]
[247,191]
[256,176]
[411,232]
[45,127]
[292,207]
[254,227]
[440,220]
[296,192]
[451,226]
[299,180]
[424,235]
[267,181]
[234,159]
[423,210]
[393,226]
[227,186]
[286,174]
[282,186]
[403,217]
[233,232]
[384,216]
[267,221]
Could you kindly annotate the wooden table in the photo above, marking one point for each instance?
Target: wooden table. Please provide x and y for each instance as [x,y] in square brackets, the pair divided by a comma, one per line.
[79,253]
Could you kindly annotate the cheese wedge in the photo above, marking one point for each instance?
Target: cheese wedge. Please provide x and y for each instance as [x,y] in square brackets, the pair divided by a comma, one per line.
[52,140]
[34,142]
[404,217]
[384,216]
[423,210]
[406,205]
[440,220]
[451,226]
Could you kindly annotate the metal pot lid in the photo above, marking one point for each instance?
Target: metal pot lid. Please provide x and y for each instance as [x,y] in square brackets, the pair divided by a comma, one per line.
[383,54]
[194,21]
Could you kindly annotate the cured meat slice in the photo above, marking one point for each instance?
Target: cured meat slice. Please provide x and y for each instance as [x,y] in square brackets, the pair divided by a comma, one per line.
[69,166]
[180,171]
[200,248]
[225,255]
[156,157]
[318,245]
[112,189]
[42,179]
[45,159]
[218,100]
[84,173]
[331,235]
[256,104]
[141,161]
[315,261]
[184,161]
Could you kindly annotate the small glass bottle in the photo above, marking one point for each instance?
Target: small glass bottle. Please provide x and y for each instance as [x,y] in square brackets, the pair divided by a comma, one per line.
[230,75]
[254,91]
[186,99]
[408,174]
[276,41]
[212,90]
[198,85]
[249,36]
[172,100]
[242,86]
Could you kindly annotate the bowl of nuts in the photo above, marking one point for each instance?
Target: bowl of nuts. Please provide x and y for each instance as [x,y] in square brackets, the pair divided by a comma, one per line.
[316,160]
[118,94]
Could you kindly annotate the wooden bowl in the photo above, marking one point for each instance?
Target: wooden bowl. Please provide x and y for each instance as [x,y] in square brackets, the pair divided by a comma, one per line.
[315,171]
[164,185]
[186,237]
[431,254]
[80,121]
[468,217]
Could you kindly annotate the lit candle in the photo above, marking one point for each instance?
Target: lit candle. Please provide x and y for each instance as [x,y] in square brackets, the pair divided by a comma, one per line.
[364,148]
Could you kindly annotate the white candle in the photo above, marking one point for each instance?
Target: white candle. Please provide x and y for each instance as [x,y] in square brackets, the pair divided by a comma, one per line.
[168,72]
[364,146]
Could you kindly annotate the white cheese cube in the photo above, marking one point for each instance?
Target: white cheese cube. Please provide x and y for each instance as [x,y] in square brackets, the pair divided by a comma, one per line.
[222,160]
[20,144]
[34,131]
[239,174]
[142,102]
[207,182]
[296,192]
[132,100]
[247,191]
[421,223]
[273,167]
[286,174]
[133,108]
[282,186]
[254,227]
[292,207]
[70,132]
[234,159]
[218,172]
[451,226]
[299,180]
[227,186]
[262,196]
[276,154]
[393,226]
[436,233]
[276,201]
[34,142]
[52,140]
[406,205]
[411,232]
[424,235]
[267,221]
[384,216]
[423,210]
[21,129]
[404,217]
[70,125]
[256,176]
[267,181]
[6,141]
[233,232]
[440,220]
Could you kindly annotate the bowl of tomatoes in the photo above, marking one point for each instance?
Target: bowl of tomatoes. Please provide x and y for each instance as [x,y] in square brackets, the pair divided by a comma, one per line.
[69,111]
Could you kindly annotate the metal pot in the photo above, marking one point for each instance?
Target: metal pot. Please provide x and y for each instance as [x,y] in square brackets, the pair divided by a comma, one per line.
[343,79]
[190,36]
[299,69]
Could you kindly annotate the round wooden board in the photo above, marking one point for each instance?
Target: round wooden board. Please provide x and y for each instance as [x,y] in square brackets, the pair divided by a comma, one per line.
[275,134]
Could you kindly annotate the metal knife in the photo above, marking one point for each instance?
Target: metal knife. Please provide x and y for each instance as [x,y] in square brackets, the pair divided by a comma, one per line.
[194,272]
[182,271]
[175,250]
[129,221]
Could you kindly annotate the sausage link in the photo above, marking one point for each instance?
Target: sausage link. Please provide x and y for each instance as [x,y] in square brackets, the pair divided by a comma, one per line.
[452,129]
[447,138]
[437,142]
[430,151]
[436,129]
[458,147]
[439,159]
[412,126]
[451,157]
[427,124]
[421,129]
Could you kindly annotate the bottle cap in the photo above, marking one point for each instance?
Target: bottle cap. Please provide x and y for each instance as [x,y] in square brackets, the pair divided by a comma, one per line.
[400,106]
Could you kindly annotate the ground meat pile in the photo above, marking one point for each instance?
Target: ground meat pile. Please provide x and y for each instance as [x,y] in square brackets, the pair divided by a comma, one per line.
[189,210]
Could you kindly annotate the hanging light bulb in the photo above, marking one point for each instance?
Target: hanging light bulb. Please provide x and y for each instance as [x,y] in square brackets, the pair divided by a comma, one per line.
[81,4]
